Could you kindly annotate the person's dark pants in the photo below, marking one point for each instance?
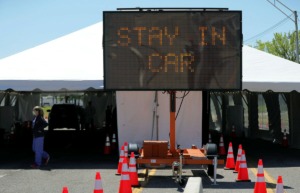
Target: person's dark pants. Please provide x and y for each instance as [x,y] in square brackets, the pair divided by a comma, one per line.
[38,149]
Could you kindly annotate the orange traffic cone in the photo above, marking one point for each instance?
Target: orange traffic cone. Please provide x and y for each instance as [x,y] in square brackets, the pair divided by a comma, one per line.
[125,185]
[133,172]
[65,190]
[126,149]
[119,171]
[243,170]
[98,184]
[285,142]
[238,159]
[114,142]
[279,185]
[260,185]
[230,165]
[107,146]
[222,150]
[209,138]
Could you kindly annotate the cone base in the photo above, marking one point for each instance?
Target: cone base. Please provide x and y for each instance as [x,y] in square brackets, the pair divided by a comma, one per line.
[136,186]
[235,171]
[106,151]
[228,168]
[243,180]
[125,187]
[260,187]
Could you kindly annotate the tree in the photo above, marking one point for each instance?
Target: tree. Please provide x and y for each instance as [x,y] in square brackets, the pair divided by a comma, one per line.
[282,45]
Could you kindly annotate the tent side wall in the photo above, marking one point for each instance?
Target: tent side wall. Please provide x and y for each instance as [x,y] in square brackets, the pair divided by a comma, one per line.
[135,111]
[266,115]
[294,120]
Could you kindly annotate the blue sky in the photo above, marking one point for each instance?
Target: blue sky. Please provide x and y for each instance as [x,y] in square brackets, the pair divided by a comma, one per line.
[27,23]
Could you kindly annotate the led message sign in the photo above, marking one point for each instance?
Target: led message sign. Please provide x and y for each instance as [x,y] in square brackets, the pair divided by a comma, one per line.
[172,50]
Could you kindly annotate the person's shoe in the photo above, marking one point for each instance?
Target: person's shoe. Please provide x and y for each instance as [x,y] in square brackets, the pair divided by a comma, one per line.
[34,166]
[47,160]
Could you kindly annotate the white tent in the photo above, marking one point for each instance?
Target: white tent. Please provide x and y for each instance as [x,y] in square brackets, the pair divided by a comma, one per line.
[75,62]
[69,63]
[72,62]
[263,72]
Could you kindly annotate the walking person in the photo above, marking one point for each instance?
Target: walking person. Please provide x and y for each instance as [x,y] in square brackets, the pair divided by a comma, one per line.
[38,125]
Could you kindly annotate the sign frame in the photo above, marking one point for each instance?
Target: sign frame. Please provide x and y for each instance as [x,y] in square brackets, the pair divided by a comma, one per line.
[180,89]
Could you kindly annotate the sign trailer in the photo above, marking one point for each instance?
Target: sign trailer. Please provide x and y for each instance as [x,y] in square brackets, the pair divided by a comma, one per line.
[173,50]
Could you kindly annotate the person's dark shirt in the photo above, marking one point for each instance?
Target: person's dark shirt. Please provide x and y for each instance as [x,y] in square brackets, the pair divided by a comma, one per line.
[39,124]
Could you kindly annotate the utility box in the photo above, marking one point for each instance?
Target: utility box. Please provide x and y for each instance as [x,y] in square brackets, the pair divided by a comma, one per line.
[157,149]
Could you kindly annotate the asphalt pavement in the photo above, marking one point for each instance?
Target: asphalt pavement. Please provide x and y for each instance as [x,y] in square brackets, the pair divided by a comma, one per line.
[76,166]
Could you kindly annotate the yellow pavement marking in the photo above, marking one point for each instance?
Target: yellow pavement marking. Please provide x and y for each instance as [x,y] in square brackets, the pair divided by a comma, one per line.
[268,178]
[139,190]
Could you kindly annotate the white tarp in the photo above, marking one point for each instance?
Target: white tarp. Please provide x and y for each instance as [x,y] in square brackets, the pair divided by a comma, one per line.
[135,117]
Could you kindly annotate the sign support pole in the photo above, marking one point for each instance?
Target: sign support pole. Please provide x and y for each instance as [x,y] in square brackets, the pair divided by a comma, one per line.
[172,121]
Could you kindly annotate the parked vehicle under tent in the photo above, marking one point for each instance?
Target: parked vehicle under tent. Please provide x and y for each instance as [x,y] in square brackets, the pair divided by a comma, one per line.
[16,120]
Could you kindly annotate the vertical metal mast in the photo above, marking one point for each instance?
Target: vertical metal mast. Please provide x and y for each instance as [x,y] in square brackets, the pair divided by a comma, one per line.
[294,20]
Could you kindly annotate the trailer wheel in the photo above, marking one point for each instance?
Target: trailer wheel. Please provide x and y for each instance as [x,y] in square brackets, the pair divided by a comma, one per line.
[133,147]
[211,149]
[211,152]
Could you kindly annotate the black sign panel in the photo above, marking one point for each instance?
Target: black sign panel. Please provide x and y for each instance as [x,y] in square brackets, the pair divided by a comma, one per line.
[172,50]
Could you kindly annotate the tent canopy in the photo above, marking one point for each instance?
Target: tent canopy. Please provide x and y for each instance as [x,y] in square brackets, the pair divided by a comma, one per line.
[75,62]
[263,71]
[72,62]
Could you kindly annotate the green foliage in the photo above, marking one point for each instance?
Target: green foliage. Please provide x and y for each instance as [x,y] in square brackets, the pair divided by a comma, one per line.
[282,45]
[45,109]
